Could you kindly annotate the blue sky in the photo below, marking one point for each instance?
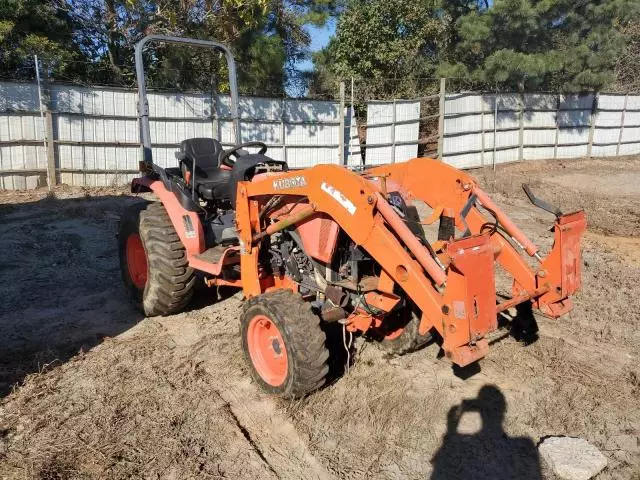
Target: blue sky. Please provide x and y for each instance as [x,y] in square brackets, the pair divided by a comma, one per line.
[319,39]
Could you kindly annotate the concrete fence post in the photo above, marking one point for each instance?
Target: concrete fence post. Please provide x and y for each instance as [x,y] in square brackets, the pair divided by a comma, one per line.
[557,136]
[592,121]
[482,139]
[352,114]
[622,115]
[51,148]
[443,91]
[215,117]
[393,133]
[521,127]
[44,100]
[495,130]
[283,131]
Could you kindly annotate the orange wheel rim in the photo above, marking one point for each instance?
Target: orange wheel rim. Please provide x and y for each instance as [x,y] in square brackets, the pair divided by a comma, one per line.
[136,261]
[267,350]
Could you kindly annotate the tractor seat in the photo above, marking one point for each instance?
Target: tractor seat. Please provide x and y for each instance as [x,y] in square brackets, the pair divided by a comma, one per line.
[211,182]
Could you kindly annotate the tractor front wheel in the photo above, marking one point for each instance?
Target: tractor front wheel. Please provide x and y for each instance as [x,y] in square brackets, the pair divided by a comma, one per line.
[405,339]
[153,261]
[283,344]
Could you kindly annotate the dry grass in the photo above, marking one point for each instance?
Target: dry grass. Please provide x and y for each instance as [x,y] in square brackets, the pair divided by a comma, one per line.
[170,398]
[129,409]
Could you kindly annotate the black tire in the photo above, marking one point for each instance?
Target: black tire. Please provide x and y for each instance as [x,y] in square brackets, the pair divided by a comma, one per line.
[169,280]
[409,340]
[304,340]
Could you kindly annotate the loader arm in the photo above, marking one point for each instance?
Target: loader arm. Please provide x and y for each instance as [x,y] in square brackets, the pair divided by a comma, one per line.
[448,187]
[350,200]
[554,278]
[454,290]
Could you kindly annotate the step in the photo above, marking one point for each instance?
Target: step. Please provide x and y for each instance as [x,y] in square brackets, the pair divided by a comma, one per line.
[212,255]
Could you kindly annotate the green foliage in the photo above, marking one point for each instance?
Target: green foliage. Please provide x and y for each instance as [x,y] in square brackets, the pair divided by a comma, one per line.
[539,44]
[505,44]
[383,44]
[627,70]
[31,27]
[261,33]
[92,41]
[392,48]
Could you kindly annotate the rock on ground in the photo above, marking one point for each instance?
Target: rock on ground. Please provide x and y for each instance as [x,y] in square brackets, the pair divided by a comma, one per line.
[572,458]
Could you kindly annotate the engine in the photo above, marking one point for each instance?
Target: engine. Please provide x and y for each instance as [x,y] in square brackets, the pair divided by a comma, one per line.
[287,256]
[339,286]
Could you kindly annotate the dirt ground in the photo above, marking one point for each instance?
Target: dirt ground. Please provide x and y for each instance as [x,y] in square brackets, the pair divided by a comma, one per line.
[90,389]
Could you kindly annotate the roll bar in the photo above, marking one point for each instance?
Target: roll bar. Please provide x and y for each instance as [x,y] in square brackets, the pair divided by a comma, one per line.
[143,104]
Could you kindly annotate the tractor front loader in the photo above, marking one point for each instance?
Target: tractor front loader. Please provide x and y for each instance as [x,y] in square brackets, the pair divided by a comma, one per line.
[327,245]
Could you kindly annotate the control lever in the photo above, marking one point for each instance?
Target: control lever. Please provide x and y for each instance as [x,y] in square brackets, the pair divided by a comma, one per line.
[538,202]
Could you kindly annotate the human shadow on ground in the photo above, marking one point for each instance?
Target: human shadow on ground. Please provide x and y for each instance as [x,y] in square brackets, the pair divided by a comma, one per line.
[488,453]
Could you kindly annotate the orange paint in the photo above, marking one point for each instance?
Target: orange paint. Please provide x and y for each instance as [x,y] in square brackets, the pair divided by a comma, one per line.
[267,350]
[187,224]
[229,257]
[382,301]
[319,235]
[563,266]
[455,293]
[411,241]
[278,282]
[136,261]
[506,222]
[470,298]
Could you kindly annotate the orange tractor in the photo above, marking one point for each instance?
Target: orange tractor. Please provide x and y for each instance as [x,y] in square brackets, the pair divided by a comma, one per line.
[329,246]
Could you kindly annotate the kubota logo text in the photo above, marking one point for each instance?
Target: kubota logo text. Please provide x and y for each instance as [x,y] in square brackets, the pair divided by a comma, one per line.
[292,182]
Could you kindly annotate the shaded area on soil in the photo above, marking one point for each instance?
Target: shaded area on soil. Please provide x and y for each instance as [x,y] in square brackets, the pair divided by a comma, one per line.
[488,453]
[61,285]
[171,397]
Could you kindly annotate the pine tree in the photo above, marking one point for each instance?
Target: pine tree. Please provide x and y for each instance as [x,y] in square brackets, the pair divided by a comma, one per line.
[92,41]
[539,44]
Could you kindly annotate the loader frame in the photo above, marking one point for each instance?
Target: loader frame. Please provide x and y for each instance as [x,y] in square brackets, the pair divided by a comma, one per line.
[451,282]
[454,290]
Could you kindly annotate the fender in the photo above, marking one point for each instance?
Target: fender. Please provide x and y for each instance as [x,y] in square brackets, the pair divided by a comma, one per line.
[187,223]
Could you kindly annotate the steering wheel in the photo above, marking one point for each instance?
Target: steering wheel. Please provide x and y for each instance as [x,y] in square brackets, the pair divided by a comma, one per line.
[225,158]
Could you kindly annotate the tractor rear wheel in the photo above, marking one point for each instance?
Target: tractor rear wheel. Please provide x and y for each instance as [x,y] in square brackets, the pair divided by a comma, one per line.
[405,339]
[153,260]
[283,344]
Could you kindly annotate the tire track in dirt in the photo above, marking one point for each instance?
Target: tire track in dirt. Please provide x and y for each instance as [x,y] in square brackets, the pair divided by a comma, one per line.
[249,439]
[212,342]
[273,436]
